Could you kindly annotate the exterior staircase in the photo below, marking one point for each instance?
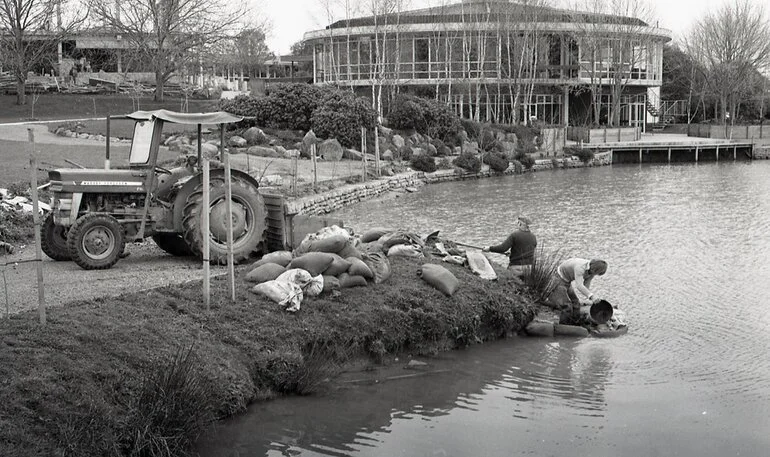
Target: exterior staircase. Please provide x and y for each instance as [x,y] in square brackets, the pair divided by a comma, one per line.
[666,111]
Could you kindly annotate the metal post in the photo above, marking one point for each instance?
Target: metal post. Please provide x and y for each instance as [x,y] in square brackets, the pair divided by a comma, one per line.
[363,154]
[640,154]
[36,222]
[107,146]
[229,215]
[205,234]
[669,154]
[377,150]
[315,169]
[735,152]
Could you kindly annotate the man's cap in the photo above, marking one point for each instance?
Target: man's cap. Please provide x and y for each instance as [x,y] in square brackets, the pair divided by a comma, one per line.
[525,220]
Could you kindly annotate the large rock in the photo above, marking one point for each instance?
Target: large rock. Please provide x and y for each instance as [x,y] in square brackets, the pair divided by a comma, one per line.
[387,155]
[384,131]
[263,151]
[330,149]
[398,141]
[255,135]
[209,150]
[291,153]
[307,141]
[237,141]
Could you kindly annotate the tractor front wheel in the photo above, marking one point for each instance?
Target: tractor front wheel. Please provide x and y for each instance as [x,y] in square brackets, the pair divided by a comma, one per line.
[95,241]
[53,239]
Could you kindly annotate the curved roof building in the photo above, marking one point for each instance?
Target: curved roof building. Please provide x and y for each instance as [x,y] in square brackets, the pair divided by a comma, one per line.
[499,61]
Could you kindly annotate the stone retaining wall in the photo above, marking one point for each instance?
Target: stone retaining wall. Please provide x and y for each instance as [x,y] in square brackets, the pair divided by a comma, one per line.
[354,193]
[762,153]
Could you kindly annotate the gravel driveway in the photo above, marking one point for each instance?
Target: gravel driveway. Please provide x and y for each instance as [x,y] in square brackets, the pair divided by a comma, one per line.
[147,267]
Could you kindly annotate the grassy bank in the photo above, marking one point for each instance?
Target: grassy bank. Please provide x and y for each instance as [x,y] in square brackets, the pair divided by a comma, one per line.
[141,374]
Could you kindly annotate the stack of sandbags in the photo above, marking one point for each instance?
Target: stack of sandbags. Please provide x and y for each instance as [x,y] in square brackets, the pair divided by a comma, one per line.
[325,261]
[392,242]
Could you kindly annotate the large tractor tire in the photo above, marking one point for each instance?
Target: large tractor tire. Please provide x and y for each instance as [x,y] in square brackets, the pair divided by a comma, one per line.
[53,240]
[95,241]
[249,220]
[173,243]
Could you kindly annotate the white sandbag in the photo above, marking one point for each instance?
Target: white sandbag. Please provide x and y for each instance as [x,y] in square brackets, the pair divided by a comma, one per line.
[405,250]
[297,276]
[286,294]
[479,264]
[455,259]
[326,232]
[314,287]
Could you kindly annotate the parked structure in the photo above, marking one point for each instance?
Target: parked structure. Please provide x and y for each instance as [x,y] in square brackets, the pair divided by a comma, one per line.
[494,60]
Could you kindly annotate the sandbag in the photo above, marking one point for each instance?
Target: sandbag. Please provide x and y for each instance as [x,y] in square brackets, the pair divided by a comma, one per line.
[332,244]
[374,234]
[539,329]
[314,263]
[281,258]
[339,265]
[286,294]
[264,273]
[405,250]
[400,237]
[331,283]
[569,330]
[439,277]
[347,280]
[297,276]
[379,264]
[314,287]
[349,251]
[359,268]
[479,264]
[326,232]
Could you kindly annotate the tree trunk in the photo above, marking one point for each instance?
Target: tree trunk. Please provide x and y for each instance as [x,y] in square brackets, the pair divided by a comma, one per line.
[159,86]
[21,96]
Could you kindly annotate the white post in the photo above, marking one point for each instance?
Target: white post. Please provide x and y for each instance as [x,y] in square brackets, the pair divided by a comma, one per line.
[205,233]
[36,222]
[229,215]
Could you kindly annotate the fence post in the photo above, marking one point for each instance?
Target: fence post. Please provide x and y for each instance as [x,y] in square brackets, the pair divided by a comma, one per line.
[36,223]
[315,170]
[229,216]
[205,234]
[363,154]
[377,150]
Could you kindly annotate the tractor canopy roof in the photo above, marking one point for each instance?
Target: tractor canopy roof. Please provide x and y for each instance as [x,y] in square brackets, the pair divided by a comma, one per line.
[217,117]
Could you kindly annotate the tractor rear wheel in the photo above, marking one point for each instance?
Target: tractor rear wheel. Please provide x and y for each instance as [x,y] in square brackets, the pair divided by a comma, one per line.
[173,243]
[53,239]
[249,216]
[95,241]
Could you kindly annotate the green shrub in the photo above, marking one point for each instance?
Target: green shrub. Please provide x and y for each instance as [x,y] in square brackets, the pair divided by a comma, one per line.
[444,164]
[496,162]
[539,280]
[16,226]
[406,114]
[423,162]
[341,115]
[585,155]
[487,140]
[442,150]
[405,153]
[525,160]
[468,162]
[258,109]
[472,128]
[426,116]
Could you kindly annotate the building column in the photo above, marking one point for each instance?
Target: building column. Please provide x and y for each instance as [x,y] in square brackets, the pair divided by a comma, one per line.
[565,106]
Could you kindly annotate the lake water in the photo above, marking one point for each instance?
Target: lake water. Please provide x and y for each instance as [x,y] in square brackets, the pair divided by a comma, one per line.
[688,248]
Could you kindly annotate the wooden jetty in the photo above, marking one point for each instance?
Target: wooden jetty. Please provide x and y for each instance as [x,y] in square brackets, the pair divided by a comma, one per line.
[676,151]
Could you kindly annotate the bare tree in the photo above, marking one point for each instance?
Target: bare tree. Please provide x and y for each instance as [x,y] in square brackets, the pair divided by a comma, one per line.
[614,47]
[30,32]
[731,45]
[167,32]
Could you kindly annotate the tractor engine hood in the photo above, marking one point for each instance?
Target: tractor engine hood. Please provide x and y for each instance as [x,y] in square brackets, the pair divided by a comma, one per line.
[95,180]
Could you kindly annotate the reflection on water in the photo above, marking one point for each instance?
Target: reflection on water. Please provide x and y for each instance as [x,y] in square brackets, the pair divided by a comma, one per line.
[688,249]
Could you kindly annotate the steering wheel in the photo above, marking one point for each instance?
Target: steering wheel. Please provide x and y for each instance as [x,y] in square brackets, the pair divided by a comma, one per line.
[163,170]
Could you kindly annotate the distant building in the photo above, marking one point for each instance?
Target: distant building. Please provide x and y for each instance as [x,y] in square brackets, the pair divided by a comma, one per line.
[499,61]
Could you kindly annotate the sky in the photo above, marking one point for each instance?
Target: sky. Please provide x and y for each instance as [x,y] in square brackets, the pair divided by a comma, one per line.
[290,19]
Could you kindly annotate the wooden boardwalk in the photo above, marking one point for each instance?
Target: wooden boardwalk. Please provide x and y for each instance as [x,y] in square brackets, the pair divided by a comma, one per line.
[676,151]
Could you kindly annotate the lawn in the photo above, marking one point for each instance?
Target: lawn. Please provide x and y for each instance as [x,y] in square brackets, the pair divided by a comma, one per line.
[74,106]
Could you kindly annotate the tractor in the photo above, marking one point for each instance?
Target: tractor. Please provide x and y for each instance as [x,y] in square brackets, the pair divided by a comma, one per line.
[96,211]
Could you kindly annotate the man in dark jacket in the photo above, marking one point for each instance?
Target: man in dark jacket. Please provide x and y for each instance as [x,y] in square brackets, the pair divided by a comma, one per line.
[521,243]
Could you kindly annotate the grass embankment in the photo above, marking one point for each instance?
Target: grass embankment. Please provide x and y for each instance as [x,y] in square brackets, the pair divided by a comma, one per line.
[141,374]
[51,106]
